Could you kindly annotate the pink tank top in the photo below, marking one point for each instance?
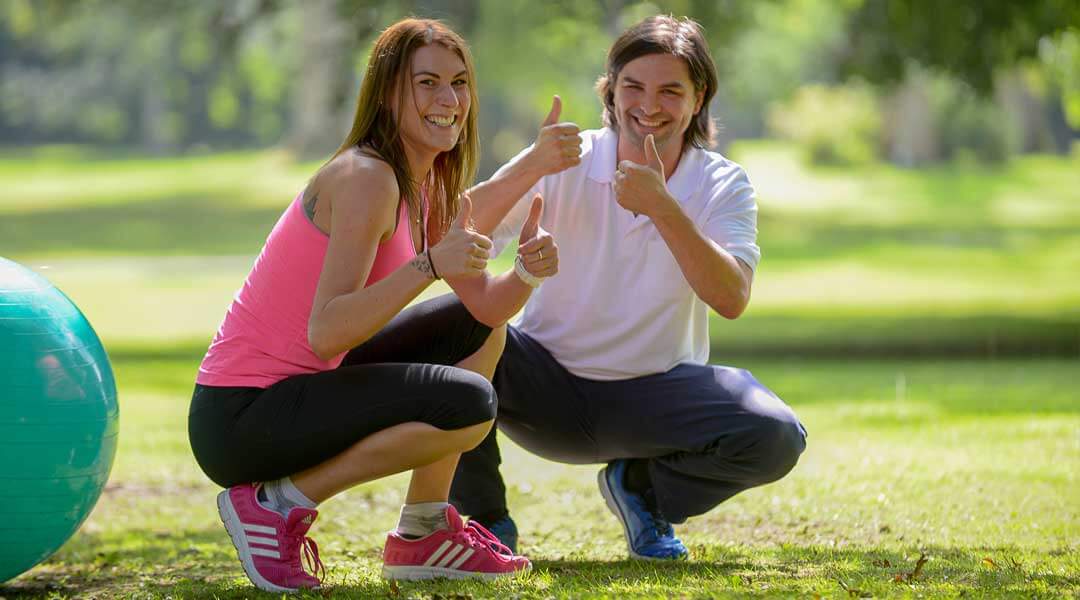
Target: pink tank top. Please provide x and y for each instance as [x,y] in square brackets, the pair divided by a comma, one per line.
[263,338]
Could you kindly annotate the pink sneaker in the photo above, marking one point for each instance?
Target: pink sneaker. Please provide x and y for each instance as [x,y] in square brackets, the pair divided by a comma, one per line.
[270,545]
[456,552]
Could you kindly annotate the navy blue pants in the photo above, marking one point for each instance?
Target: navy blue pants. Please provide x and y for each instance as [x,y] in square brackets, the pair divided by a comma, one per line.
[708,431]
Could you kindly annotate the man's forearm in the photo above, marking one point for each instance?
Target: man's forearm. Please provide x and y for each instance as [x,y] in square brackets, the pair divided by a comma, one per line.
[717,277]
[494,198]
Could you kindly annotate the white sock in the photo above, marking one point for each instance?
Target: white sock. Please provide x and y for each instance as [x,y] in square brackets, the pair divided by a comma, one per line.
[282,495]
[422,518]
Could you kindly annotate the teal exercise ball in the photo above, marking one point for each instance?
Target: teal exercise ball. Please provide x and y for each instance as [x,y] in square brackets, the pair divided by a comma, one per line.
[59,419]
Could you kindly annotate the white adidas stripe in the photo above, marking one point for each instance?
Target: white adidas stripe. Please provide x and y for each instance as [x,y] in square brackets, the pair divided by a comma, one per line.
[437,553]
[449,556]
[259,529]
[264,552]
[252,539]
[461,559]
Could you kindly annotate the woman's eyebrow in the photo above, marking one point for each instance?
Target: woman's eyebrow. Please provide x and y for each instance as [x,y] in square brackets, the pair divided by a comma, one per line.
[436,75]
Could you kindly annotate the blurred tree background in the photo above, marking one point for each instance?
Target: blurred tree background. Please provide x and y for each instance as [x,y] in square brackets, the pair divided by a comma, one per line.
[913,82]
[918,178]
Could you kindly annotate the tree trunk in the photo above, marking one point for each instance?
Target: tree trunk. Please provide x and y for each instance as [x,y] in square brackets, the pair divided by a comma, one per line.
[1028,114]
[322,96]
[911,134]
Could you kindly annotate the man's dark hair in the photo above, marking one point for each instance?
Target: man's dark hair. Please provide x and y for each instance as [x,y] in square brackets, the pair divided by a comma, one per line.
[665,34]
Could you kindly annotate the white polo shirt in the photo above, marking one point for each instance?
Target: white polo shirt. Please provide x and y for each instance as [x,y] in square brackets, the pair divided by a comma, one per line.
[620,306]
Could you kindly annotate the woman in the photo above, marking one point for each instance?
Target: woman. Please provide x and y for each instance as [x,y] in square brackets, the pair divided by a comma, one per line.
[319,380]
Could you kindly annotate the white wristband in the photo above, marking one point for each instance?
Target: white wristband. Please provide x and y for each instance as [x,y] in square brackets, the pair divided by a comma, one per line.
[523,273]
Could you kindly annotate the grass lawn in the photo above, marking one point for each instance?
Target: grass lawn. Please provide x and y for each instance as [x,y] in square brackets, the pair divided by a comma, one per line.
[951,261]
[972,464]
[923,324]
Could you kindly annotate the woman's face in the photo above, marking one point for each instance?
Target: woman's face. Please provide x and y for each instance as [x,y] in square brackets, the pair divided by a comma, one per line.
[436,101]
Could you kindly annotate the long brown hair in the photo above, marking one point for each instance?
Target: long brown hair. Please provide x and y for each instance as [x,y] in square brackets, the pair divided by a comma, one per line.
[665,34]
[374,125]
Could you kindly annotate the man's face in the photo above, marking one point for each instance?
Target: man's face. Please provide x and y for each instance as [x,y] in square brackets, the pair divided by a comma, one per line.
[654,94]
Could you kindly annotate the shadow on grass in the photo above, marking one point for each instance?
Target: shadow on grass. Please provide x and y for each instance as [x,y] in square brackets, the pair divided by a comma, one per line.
[1004,570]
[886,336]
[202,564]
[812,337]
[787,238]
[149,563]
[169,225]
[179,350]
[801,374]
[220,223]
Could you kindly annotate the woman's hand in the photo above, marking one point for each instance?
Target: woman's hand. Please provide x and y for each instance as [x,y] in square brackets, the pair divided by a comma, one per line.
[462,252]
[536,247]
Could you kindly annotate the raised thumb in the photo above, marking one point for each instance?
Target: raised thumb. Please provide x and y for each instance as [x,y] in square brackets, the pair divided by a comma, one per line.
[553,115]
[532,224]
[653,155]
[464,216]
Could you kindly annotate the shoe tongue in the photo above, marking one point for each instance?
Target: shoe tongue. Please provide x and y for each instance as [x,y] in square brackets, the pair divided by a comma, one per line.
[453,519]
[300,520]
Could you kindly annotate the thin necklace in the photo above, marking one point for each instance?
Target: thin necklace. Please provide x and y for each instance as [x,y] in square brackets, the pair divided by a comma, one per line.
[420,220]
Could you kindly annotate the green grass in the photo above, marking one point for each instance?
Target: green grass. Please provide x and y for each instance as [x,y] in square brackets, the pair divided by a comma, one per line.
[923,324]
[971,463]
[952,261]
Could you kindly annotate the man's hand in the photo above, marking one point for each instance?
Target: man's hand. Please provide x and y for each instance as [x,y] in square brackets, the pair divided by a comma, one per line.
[642,188]
[536,247]
[558,145]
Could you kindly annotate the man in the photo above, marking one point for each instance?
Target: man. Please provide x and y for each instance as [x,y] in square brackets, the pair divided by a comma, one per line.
[609,361]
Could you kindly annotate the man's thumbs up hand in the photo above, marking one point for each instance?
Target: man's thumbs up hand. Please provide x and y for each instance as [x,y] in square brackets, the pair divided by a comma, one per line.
[642,189]
[553,114]
[557,146]
[652,155]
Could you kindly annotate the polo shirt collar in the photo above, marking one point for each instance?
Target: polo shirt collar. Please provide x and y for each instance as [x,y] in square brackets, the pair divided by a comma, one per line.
[604,153]
[682,184]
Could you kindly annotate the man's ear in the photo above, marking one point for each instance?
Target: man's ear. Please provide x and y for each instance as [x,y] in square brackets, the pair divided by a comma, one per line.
[699,97]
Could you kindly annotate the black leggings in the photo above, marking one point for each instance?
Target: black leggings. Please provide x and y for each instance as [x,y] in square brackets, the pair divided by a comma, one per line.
[247,434]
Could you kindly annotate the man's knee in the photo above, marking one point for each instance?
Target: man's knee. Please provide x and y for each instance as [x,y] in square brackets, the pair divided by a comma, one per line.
[778,443]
